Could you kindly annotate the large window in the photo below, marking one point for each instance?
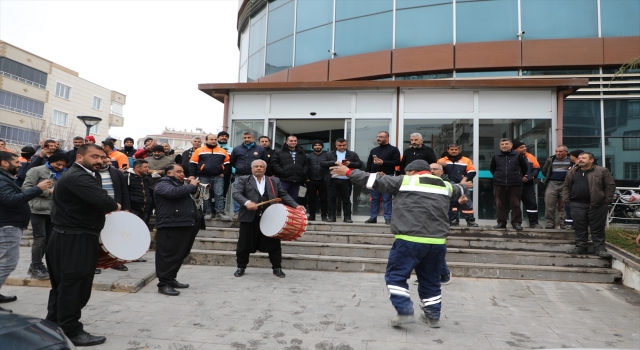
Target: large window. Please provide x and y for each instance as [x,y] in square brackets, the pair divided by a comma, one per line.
[486,20]
[97,102]
[422,23]
[63,91]
[280,36]
[555,19]
[535,133]
[244,55]
[257,38]
[622,137]
[620,17]
[59,118]
[368,33]
[95,129]
[19,136]
[20,104]
[26,74]
[313,45]
[279,55]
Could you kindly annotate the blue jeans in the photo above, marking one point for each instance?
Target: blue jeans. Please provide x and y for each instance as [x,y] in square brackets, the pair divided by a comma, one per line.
[428,261]
[387,201]
[216,192]
[292,188]
[9,251]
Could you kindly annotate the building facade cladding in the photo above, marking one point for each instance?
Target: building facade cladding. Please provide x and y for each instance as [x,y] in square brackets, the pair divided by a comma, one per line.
[41,99]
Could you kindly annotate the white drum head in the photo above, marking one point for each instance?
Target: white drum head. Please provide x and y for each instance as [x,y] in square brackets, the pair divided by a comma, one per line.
[273,219]
[125,236]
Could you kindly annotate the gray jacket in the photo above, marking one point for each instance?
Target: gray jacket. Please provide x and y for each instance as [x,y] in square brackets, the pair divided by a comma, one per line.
[41,204]
[421,205]
[246,189]
[158,164]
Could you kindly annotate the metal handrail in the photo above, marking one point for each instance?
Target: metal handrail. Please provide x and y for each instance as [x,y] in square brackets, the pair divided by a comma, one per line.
[23,80]
[20,111]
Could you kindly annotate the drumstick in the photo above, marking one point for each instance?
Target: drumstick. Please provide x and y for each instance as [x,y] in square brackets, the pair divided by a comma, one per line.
[276,200]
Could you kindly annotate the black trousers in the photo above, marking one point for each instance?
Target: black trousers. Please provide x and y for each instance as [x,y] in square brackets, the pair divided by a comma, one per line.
[251,240]
[317,189]
[71,260]
[339,189]
[586,217]
[173,245]
[508,198]
[530,203]
[41,226]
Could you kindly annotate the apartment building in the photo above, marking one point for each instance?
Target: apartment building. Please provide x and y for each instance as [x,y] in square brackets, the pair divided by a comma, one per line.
[40,99]
[179,140]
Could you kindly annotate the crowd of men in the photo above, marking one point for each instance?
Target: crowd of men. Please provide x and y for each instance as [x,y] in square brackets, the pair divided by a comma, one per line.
[66,195]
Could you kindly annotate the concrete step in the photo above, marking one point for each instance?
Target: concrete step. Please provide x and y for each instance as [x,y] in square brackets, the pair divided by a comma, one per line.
[458,269]
[453,254]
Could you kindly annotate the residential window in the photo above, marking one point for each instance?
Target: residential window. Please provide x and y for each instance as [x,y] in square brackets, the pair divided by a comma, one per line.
[18,71]
[18,136]
[20,104]
[97,102]
[63,90]
[116,108]
[631,140]
[59,118]
[95,129]
[631,170]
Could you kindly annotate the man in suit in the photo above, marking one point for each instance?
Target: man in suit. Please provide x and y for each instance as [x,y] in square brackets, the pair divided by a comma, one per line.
[248,192]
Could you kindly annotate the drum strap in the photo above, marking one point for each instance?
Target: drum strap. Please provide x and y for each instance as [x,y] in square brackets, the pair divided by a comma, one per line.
[273,189]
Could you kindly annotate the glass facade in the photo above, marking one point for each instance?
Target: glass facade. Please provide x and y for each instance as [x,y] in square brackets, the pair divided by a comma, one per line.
[366,131]
[305,31]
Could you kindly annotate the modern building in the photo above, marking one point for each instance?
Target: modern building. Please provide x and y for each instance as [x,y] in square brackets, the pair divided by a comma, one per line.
[463,71]
[40,99]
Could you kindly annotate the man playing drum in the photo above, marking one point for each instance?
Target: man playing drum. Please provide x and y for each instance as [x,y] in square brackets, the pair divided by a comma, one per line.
[78,215]
[250,190]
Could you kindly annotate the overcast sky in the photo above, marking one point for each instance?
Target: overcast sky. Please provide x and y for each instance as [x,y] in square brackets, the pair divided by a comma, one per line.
[154,52]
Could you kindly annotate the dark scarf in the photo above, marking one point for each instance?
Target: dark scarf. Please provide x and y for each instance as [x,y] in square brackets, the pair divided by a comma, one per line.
[454,159]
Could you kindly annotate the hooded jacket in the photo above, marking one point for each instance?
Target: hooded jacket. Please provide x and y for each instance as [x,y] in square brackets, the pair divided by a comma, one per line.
[286,169]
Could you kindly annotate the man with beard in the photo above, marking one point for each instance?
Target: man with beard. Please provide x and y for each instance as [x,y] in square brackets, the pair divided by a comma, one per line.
[118,159]
[417,150]
[147,150]
[14,215]
[41,224]
[185,157]
[339,187]
[77,142]
[78,214]
[113,183]
[290,166]
[241,158]
[128,149]
[211,164]
[461,171]
[265,142]
[509,169]
[178,222]
[382,159]
[249,191]
[315,181]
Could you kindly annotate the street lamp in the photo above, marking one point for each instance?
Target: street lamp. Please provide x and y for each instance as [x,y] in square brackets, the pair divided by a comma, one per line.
[89,121]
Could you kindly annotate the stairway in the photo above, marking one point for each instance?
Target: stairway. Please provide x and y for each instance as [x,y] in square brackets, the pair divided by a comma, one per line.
[531,254]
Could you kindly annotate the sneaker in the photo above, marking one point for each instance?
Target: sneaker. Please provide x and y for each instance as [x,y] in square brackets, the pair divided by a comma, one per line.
[432,322]
[39,272]
[223,217]
[536,226]
[445,279]
[207,216]
[603,253]
[577,251]
[399,320]
[549,226]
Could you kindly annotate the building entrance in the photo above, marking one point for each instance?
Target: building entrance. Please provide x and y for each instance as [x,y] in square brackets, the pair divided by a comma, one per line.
[307,131]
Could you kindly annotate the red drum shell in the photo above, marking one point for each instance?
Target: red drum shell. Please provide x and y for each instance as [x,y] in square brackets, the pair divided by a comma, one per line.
[282,222]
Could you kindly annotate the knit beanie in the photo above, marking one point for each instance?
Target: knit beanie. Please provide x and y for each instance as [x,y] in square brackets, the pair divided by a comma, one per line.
[517,143]
[418,165]
[317,142]
[576,153]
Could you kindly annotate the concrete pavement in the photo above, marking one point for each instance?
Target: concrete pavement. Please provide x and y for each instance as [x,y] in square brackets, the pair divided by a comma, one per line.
[337,310]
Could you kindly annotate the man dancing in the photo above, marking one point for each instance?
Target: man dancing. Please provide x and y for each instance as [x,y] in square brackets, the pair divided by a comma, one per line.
[248,192]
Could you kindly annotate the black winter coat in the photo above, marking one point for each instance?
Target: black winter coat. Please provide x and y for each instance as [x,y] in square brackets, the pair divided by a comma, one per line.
[242,157]
[285,169]
[174,205]
[410,154]
[14,204]
[316,171]
[120,190]
[184,161]
[139,193]
[79,202]
[270,153]
[332,158]
[508,169]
